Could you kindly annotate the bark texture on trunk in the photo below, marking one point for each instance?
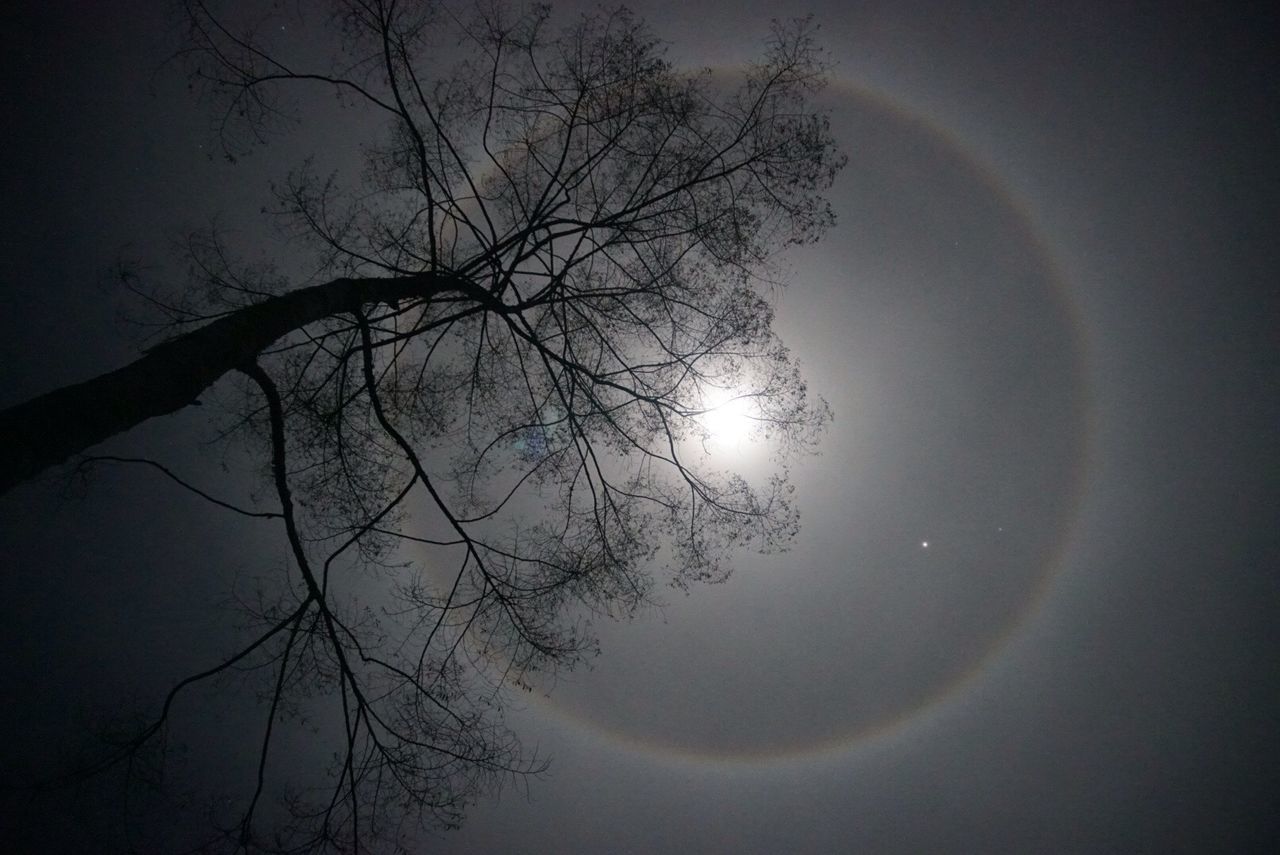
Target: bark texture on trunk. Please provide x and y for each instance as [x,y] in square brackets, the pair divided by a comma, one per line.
[49,429]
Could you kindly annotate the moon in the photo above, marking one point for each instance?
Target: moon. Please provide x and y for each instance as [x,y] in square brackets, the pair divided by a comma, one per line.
[728,418]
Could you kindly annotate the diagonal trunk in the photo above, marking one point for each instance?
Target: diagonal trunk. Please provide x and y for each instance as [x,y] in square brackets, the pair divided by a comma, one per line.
[49,429]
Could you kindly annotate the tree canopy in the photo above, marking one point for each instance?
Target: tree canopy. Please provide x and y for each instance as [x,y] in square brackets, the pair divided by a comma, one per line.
[559,257]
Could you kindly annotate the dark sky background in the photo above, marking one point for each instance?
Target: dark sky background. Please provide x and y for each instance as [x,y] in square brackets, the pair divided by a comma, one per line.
[1047,324]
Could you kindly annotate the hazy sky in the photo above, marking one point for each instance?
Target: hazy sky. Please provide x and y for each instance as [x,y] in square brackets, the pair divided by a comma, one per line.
[1046,323]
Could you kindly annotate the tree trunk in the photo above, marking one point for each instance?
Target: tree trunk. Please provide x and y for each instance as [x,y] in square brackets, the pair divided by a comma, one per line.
[49,429]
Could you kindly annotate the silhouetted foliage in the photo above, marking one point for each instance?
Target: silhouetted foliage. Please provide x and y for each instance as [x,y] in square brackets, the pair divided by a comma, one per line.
[559,251]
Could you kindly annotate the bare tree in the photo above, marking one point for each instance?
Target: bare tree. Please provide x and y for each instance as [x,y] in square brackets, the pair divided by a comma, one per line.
[558,257]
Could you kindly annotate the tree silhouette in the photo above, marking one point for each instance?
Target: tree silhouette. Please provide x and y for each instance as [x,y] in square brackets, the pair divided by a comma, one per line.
[560,250]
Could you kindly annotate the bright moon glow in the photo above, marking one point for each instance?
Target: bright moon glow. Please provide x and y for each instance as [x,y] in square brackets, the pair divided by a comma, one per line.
[728,418]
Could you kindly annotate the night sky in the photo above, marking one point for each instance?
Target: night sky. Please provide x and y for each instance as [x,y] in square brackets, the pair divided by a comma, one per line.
[1032,607]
